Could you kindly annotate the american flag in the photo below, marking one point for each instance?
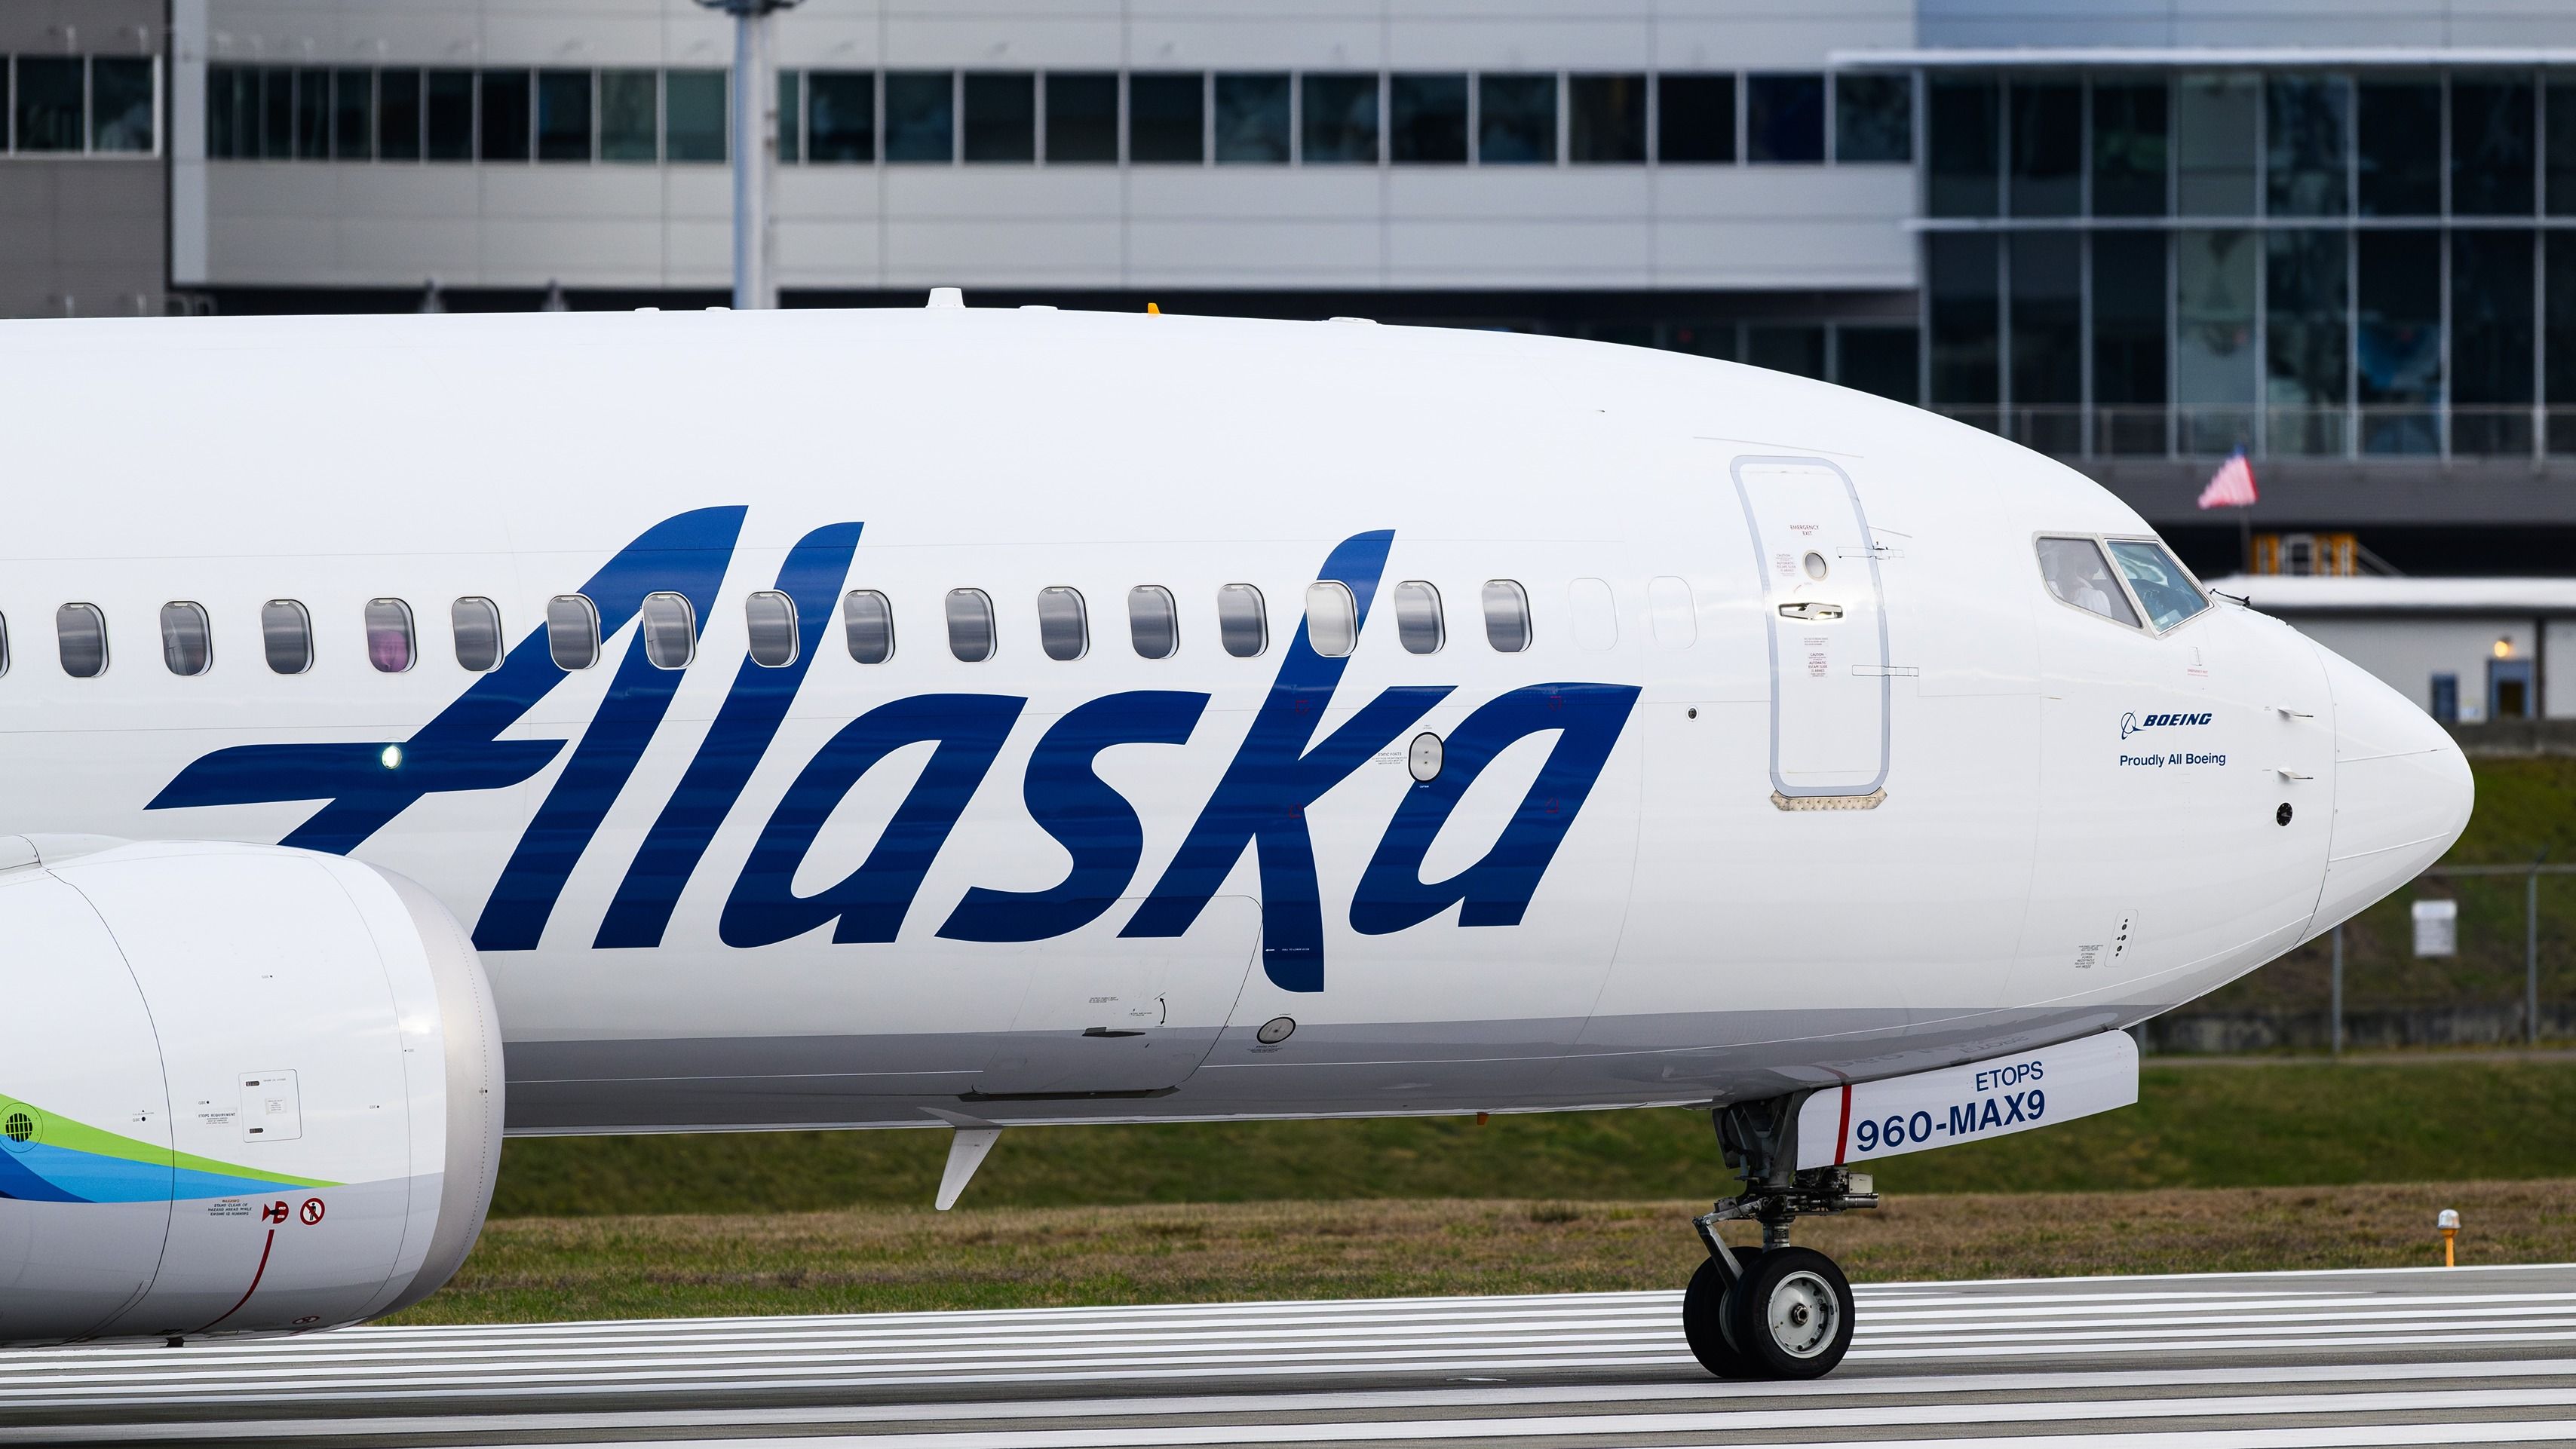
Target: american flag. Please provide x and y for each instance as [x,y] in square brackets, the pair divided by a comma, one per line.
[2232,486]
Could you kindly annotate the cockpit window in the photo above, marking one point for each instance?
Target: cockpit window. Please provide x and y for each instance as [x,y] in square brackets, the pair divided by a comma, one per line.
[2160,584]
[2075,572]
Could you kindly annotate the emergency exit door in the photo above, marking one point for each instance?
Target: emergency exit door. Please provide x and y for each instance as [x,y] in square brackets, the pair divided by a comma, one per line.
[1827,626]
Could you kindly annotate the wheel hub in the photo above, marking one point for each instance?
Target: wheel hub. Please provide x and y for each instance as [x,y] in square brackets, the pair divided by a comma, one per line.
[1801,1315]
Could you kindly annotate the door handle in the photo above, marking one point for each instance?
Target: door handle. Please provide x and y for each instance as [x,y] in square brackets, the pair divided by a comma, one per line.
[1817,612]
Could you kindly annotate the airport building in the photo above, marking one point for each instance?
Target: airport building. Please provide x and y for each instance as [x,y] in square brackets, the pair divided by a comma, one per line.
[2138,236]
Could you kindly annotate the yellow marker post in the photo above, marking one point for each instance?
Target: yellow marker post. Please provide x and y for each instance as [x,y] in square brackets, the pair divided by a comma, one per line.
[1153,309]
[2449,1223]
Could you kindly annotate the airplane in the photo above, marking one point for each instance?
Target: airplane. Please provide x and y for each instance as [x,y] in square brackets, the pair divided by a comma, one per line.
[427,729]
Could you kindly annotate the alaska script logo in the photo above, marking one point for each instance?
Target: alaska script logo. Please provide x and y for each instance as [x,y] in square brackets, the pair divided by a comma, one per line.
[2130,723]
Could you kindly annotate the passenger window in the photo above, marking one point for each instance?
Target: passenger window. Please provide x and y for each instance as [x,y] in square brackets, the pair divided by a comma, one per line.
[476,624]
[1332,618]
[2160,584]
[867,623]
[1418,625]
[1596,615]
[2076,574]
[1507,616]
[187,639]
[970,625]
[572,631]
[80,634]
[4,644]
[1242,620]
[1064,628]
[389,636]
[1153,622]
[1675,619]
[286,636]
[772,617]
[670,630]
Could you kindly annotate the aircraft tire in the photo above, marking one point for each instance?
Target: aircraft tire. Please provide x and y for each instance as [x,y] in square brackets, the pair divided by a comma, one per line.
[1791,1315]
[1704,1316]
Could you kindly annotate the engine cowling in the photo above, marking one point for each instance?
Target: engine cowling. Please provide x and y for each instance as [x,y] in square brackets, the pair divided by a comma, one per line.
[243,1090]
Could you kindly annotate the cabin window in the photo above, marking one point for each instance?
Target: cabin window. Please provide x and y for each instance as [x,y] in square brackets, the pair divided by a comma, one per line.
[1418,625]
[1596,615]
[670,630]
[867,625]
[572,631]
[1671,612]
[80,633]
[389,635]
[1064,627]
[970,625]
[187,638]
[1242,620]
[1332,618]
[4,644]
[476,623]
[1507,616]
[286,636]
[2075,572]
[2167,593]
[1153,622]
[771,616]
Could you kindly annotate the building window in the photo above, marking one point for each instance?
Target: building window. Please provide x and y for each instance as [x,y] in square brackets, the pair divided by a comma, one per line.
[1242,620]
[1064,626]
[1153,622]
[670,628]
[2558,146]
[2129,337]
[2214,144]
[2307,301]
[563,115]
[2307,126]
[286,636]
[398,115]
[1694,118]
[120,105]
[451,115]
[2492,338]
[2558,337]
[277,113]
[1606,119]
[506,120]
[1873,118]
[2400,158]
[313,114]
[476,625]
[2492,160]
[572,631]
[1427,120]
[353,115]
[841,116]
[1794,348]
[1081,116]
[1001,116]
[1252,119]
[2047,340]
[187,638]
[1507,616]
[49,104]
[2446,698]
[80,638]
[2400,343]
[1340,120]
[1419,626]
[1784,118]
[693,115]
[970,625]
[867,625]
[2046,134]
[2216,372]
[769,622]
[2129,149]
[630,107]
[1886,361]
[389,635]
[1167,119]
[791,115]
[920,116]
[1516,123]
[1332,618]
[1962,306]
[1965,152]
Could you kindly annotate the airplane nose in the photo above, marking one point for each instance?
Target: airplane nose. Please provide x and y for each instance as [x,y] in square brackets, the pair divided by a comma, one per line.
[2402,792]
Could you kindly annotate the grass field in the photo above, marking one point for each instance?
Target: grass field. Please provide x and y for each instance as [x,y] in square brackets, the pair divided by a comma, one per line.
[2280,1124]
[880,1260]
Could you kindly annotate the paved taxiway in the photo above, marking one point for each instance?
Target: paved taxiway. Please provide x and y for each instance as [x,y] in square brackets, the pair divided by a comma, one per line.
[2244,1361]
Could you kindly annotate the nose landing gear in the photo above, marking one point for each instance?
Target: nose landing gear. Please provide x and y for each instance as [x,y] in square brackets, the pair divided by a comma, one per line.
[1773,1312]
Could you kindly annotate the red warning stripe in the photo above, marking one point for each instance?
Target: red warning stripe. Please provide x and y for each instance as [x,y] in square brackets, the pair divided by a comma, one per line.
[262,1272]
[1842,1137]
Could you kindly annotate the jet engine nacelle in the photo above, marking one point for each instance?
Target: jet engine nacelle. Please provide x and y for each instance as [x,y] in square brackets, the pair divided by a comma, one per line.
[243,1090]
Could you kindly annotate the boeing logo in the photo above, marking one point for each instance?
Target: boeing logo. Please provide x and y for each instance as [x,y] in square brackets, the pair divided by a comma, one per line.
[2130,723]
[1259,803]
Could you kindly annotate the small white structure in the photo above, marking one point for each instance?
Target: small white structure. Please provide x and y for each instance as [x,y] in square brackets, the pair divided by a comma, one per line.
[2465,649]
[2437,928]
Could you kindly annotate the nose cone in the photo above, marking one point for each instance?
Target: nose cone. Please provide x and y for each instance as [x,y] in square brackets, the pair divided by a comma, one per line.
[2402,792]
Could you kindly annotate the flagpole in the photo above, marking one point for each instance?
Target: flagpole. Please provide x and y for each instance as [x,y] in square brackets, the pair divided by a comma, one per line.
[2245,539]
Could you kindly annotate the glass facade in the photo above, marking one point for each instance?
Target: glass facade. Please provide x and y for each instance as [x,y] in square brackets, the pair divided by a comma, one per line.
[2300,263]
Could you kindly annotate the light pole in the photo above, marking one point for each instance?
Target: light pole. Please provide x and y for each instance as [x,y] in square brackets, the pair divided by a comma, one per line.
[755,147]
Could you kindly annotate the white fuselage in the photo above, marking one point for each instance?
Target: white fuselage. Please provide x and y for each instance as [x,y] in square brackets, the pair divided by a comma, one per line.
[1026,888]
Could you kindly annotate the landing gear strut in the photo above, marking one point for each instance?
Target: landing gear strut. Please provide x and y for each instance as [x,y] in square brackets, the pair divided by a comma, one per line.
[1776,1311]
